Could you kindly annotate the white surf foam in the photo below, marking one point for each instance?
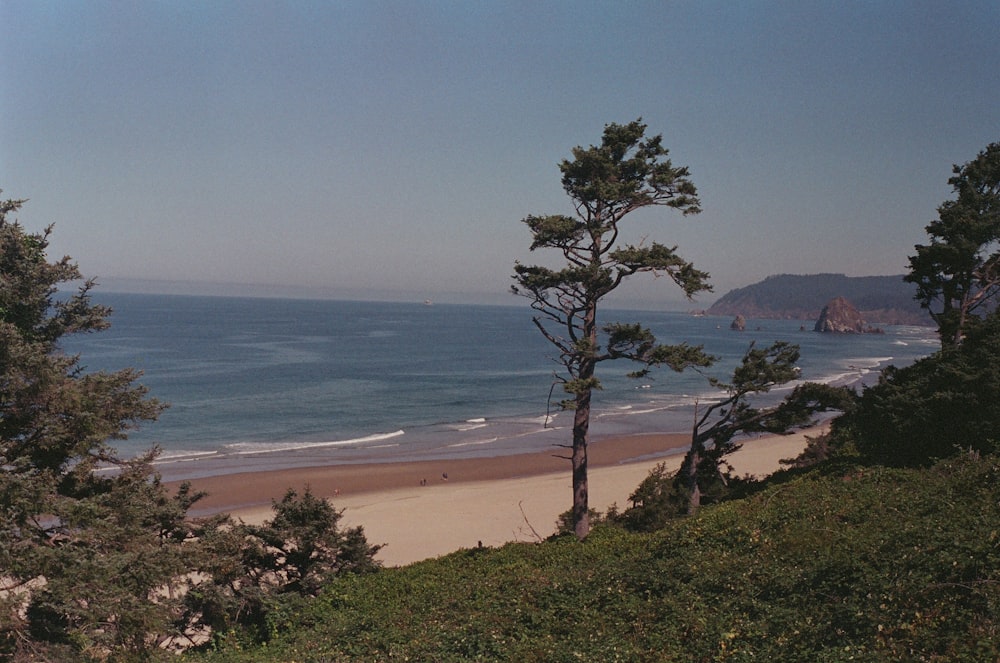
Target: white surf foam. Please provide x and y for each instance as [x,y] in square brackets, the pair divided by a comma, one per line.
[249,448]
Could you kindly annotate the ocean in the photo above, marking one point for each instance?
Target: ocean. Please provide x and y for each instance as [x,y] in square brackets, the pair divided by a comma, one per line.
[283,383]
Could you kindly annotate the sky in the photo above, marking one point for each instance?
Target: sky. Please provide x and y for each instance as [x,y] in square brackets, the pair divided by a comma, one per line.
[390,150]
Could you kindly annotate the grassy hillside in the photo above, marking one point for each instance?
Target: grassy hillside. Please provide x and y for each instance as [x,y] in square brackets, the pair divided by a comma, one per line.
[843,563]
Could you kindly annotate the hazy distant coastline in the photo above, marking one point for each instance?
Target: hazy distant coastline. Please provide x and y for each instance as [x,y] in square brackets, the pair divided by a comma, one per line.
[881,299]
[275,291]
[886,300]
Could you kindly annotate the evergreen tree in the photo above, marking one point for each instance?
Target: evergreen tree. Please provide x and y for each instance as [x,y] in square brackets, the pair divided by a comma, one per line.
[941,405]
[86,537]
[98,560]
[958,273]
[716,432]
[625,173]
[247,572]
[704,476]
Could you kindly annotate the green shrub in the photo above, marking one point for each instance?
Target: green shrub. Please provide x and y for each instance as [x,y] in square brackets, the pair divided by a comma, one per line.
[939,406]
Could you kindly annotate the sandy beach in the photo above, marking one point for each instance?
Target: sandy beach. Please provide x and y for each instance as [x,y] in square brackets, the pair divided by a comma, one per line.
[425,509]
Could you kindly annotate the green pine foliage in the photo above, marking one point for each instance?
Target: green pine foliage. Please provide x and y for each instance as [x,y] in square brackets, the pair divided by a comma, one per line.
[942,405]
[249,575]
[87,539]
[704,477]
[627,172]
[957,273]
[98,560]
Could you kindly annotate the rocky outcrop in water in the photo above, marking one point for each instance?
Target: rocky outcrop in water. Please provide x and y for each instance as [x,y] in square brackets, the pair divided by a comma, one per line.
[739,323]
[841,317]
[886,300]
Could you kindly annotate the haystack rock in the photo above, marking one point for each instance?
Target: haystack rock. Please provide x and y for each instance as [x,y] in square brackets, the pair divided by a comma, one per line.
[841,317]
[739,323]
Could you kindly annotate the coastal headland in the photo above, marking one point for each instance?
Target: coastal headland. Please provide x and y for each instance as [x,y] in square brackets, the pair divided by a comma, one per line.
[425,509]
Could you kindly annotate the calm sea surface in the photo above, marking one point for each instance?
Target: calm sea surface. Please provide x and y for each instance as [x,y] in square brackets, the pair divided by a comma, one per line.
[267,383]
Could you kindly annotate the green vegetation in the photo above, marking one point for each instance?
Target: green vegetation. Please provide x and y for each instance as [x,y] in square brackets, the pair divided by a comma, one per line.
[625,173]
[246,574]
[847,563]
[704,476]
[98,561]
[958,273]
[716,429]
[81,551]
[941,405]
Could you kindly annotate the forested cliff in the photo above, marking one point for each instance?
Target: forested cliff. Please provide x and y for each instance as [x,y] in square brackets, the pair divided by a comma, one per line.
[883,300]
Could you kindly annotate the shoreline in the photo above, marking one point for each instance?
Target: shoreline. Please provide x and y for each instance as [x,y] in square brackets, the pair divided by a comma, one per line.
[427,508]
[257,488]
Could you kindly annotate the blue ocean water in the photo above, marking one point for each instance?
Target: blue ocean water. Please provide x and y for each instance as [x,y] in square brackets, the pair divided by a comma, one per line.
[284,383]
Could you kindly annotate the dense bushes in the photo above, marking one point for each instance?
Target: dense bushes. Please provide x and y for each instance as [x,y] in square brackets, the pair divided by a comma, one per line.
[663,496]
[937,407]
[249,574]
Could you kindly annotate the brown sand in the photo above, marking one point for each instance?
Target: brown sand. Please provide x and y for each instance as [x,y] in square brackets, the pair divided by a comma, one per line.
[429,508]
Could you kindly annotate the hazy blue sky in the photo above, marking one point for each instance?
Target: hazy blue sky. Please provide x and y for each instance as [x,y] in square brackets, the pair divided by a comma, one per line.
[395,146]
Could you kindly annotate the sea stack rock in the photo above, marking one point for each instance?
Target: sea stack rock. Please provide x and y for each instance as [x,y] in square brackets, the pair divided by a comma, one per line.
[739,323]
[841,317]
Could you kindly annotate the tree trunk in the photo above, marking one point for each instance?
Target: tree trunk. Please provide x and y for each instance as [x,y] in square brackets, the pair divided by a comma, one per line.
[694,492]
[949,320]
[963,311]
[581,426]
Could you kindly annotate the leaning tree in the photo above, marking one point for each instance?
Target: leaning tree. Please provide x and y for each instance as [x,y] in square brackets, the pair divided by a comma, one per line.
[717,429]
[626,172]
[958,273]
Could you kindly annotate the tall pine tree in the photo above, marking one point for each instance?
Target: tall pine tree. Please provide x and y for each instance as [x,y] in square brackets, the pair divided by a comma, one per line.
[625,173]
